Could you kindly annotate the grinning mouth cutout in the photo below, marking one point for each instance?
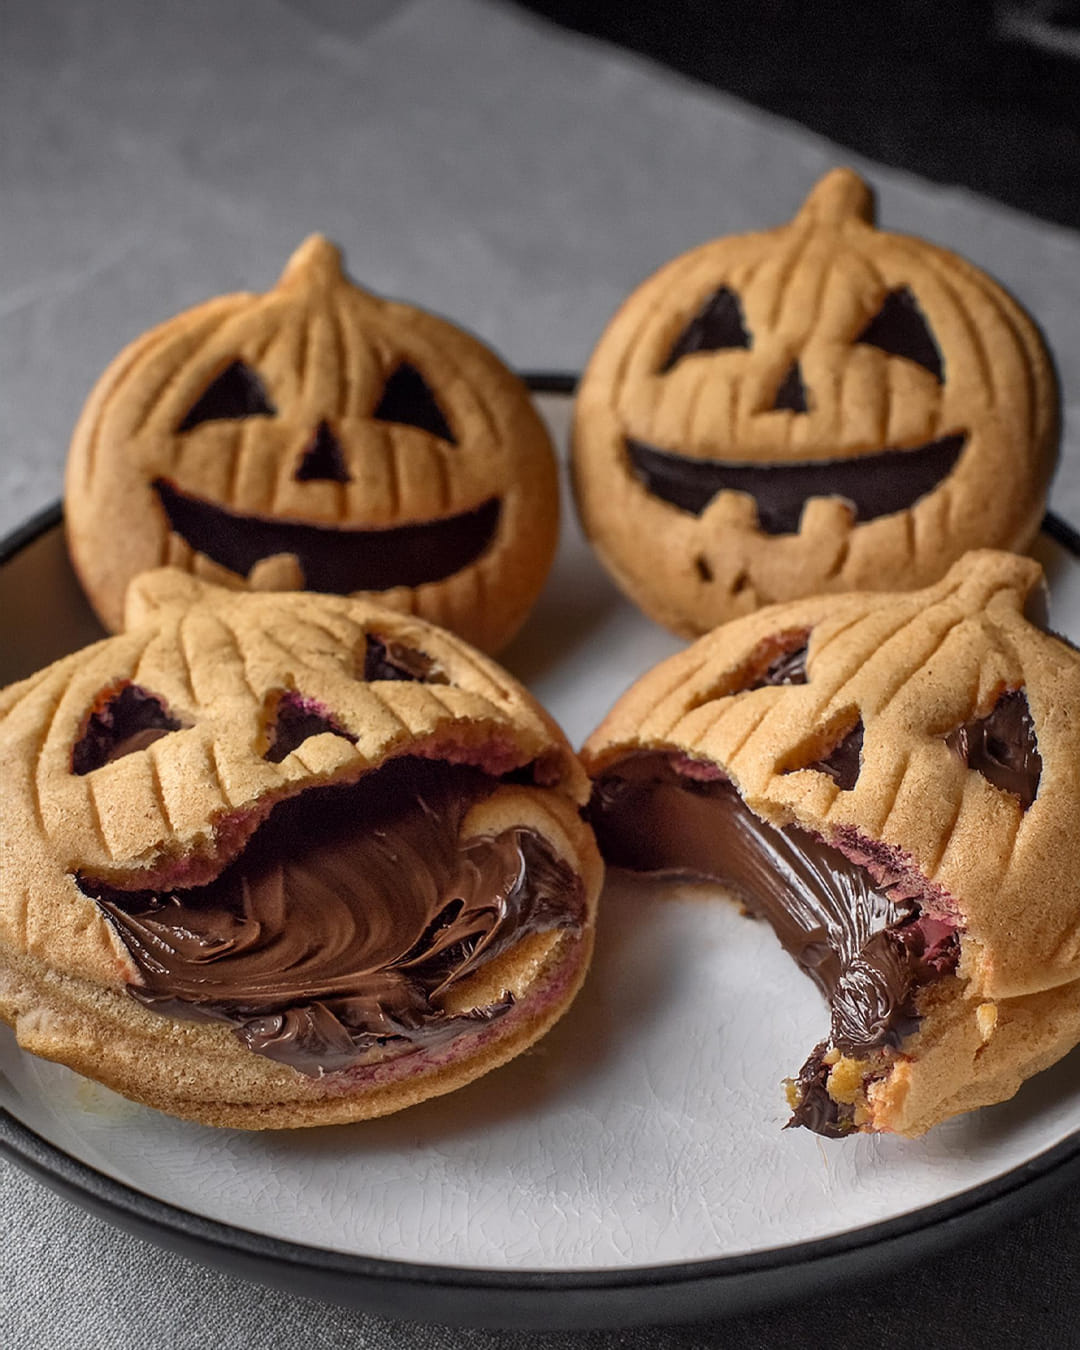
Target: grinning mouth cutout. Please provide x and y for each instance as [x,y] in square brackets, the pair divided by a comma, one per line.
[333,560]
[345,918]
[876,485]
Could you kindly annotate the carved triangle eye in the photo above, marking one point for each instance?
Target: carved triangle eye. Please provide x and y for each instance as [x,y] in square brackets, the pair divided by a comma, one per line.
[322,459]
[1003,747]
[842,764]
[236,392]
[844,761]
[717,325]
[384,659]
[407,399]
[792,392]
[900,329]
[120,723]
[296,720]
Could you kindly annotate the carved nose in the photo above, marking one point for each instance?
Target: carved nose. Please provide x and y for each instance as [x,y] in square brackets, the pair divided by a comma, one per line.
[322,458]
[792,392]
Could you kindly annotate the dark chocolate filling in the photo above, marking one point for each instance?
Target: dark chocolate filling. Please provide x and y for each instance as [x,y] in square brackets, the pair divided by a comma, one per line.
[867,950]
[296,719]
[844,761]
[788,668]
[875,485]
[128,720]
[333,560]
[385,659]
[1003,747]
[349,914]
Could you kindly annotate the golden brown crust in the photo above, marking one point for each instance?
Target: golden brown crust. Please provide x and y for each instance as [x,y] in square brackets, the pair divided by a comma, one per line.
[807,290]
[913,667]
[324,349]
[219,661]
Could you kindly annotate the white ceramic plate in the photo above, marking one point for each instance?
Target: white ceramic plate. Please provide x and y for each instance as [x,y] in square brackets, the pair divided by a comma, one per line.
[645,1132]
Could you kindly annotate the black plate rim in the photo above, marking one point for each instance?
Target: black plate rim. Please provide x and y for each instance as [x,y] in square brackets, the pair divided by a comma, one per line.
[547,1299]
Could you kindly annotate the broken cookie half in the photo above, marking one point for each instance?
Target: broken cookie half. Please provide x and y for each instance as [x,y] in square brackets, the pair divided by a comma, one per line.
[893,782]
[280,860]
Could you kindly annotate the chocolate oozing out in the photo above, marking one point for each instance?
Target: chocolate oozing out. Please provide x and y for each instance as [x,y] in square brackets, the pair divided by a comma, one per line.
[349,914]
[876,484]
[844,761]
[388,660]
[322,459]
[296,719]
[900,329]
[718,324]
[120,724]
[792,392]
[1003,747]
[236,392]
[333,560]
[407,399]
[866,945]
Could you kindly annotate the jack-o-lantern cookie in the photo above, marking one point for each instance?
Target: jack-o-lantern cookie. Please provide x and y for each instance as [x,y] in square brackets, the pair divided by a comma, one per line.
[820,407]
[285,860]
[317,438]
[893,781]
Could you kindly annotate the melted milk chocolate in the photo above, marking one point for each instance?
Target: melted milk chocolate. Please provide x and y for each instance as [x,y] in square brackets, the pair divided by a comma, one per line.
[347,916]
[864,950]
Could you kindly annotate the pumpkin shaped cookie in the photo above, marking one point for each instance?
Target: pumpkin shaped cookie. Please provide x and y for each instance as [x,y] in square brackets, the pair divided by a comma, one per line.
[317,437]
[893,782]
[285,860]
[820,407]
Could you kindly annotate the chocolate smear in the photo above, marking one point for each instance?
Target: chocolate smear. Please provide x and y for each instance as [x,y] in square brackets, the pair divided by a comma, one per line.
[349,914]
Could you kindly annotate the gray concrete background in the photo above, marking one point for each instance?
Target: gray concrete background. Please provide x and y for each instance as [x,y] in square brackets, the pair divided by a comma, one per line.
[520,181]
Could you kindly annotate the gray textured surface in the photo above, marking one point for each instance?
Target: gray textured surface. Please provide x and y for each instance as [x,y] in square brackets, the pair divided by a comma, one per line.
[517,180]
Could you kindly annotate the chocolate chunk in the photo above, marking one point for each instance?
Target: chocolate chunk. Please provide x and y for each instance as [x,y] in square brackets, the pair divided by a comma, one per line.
[877,484]
[1003,747]
[126,721]
[334,560]
[347,916]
